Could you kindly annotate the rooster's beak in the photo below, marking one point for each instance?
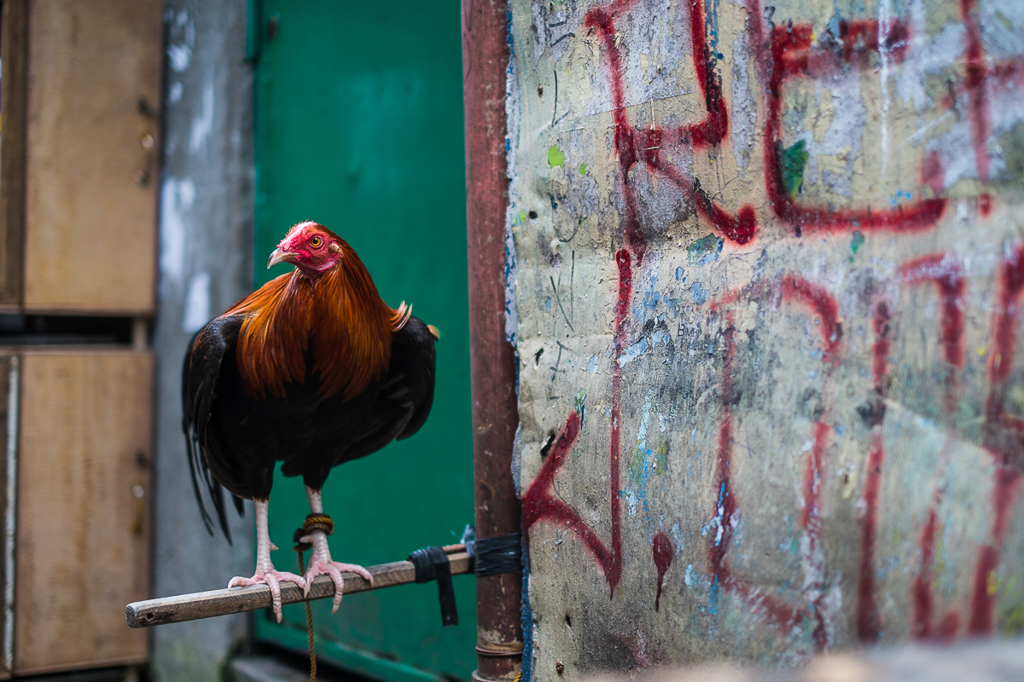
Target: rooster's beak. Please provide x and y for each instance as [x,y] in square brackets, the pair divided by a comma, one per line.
[279,256]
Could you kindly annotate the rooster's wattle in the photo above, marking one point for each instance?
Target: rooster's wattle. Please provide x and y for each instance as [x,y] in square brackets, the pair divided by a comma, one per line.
[311,370]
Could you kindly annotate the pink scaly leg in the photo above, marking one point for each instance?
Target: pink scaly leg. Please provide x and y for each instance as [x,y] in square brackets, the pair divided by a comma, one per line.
[320,562]
[265,571]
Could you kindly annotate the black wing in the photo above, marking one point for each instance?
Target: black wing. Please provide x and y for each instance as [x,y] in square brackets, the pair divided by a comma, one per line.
[404,401]
[202,435]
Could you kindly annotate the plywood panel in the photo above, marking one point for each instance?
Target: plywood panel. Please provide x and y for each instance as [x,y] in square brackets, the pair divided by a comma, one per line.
[82,531]
[93,124]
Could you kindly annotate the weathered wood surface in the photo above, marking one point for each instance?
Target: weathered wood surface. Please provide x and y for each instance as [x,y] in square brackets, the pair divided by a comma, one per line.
[9,385]
[767,265]
[83,527]
[13,78]
[94,74]
[222,602]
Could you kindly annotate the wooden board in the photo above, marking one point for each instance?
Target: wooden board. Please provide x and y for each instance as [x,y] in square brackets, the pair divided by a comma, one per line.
[9,367]
[82,532]
[93,139]
[13,75]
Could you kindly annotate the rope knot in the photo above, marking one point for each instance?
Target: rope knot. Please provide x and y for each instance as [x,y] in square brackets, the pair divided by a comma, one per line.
[318,522]
[313,522]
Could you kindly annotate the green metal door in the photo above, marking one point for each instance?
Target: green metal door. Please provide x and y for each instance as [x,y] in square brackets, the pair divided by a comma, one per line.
[359,127]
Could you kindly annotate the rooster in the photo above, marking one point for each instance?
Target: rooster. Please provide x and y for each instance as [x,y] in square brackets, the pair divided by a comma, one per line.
[311,370]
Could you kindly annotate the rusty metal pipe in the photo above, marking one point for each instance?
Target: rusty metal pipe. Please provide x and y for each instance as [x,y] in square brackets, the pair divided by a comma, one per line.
[485,57]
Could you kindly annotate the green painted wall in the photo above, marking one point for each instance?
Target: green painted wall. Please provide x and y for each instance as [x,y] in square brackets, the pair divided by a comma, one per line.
[359,127]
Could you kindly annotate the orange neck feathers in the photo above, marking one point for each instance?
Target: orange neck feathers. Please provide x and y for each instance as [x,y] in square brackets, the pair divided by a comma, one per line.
[339,316]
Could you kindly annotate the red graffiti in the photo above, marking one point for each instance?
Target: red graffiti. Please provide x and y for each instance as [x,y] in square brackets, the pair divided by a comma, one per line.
[982,76]
[726,506]
[1002,439]
[784,616]
[633,144]
[602,18]
[984,205]
[1005,491]
[540,501]
[775,611]
[924,600]
[977,74]
[663,553]
[945,274]
[793,55]
[859,39]
[869,624]
[868,621]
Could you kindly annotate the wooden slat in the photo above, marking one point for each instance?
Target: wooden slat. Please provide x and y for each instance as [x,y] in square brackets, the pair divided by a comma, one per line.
[13,79]
[94,74]
[82,525]
[223,602]
[8,423]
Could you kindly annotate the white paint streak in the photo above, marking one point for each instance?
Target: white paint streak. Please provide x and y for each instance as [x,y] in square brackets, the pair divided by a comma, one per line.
[202,124]
[884,21]
[743,117]
[197,303]
[179,57]
[174,93]
[176,198]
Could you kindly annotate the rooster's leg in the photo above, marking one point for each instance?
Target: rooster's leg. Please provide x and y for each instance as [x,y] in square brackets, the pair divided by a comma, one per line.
[320,562]
[265,571]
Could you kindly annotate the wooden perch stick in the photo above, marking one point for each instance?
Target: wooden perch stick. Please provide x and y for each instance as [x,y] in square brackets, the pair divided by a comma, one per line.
[143,614]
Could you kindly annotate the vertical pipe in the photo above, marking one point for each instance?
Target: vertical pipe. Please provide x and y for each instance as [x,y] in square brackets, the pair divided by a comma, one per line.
[485,58]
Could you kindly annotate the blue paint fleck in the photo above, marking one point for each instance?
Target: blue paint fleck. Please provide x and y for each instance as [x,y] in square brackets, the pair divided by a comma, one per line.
[700,294]
[650,301]
[679,273]
[633,352]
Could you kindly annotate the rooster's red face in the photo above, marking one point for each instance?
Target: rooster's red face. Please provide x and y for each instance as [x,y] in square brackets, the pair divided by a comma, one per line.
[310,247]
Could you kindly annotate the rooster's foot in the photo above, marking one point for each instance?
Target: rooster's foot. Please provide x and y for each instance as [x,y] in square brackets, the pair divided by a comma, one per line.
[272,578]
[322,564]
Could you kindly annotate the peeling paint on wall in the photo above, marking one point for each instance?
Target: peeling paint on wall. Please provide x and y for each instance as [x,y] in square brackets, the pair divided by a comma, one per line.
[768,263]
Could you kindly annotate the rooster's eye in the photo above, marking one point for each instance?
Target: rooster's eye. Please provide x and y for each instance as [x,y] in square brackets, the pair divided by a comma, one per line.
[316,242]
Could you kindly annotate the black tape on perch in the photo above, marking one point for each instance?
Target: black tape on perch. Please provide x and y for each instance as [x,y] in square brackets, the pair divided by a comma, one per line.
[431,563]
[501,554]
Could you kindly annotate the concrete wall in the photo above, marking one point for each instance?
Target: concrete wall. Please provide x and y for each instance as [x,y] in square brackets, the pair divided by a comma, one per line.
[206,225]
[765,270]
